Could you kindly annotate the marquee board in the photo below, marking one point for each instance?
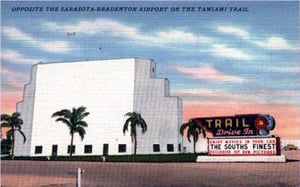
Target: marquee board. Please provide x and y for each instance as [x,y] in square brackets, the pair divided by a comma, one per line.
[244,146]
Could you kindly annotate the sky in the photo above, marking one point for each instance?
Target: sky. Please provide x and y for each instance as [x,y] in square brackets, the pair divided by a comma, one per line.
[222,58]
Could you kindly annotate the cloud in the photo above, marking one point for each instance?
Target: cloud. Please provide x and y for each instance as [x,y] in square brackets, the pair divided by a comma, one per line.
[199,95]
[98,26]
[209,73]
[285,69]
[58,46]
[118,29]
[220,50]
[262,96]
[234,31]
[13,80]
[16,74]
[275,43]
[176,36]
[283,93]
[180,36]
[17,58]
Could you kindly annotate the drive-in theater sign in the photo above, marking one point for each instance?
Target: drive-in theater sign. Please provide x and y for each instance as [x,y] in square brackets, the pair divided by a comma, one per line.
[245,134]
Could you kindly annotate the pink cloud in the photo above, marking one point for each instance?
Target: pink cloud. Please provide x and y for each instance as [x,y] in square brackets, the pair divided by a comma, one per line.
[209,73]
[9,100]
[214,95]
[289,93]
[192,95]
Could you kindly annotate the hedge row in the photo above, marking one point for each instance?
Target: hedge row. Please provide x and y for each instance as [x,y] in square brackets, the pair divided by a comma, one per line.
[116,158]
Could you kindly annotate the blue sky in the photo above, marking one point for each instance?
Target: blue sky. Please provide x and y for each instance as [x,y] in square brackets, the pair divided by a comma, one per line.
[239,57]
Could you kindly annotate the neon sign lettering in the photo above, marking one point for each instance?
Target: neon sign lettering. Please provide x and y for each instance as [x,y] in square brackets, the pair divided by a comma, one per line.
[238,125]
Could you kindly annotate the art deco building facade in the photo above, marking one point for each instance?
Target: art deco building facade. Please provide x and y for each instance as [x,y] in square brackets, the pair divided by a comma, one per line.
[108,89]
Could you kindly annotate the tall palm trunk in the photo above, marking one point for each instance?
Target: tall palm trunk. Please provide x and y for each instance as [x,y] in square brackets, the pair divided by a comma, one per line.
[134,144]
[13,143]
[194,145]
[71,146]
[1,132]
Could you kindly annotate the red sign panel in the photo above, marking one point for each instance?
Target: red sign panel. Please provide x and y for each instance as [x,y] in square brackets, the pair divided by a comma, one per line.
[238,125]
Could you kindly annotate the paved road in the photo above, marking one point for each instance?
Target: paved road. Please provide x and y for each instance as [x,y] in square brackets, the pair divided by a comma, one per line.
[49,173]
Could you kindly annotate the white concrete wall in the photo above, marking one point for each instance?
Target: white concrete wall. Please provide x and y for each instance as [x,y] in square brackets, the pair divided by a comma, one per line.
[161,112]
[108,89]
[26,108]
[104,87]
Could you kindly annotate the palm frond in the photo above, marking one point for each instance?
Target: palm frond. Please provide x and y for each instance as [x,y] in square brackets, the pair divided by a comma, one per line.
[18,126]
[9,134]
[64,113]
[81,109]
[126,124]
[80,131]
[143,125]
[83,115]
[203,131]
[73,119]
[189,134]
[129,114]
[24,137]
[65,121]
[5,117]
[5,124]
[80,113]
[183,127]
[16,115]
[144,129]
[82,123]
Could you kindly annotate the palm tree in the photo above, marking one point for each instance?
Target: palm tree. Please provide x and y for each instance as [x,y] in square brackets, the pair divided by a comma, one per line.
[134,119]
[74,120]
[14,122]
[194,130]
